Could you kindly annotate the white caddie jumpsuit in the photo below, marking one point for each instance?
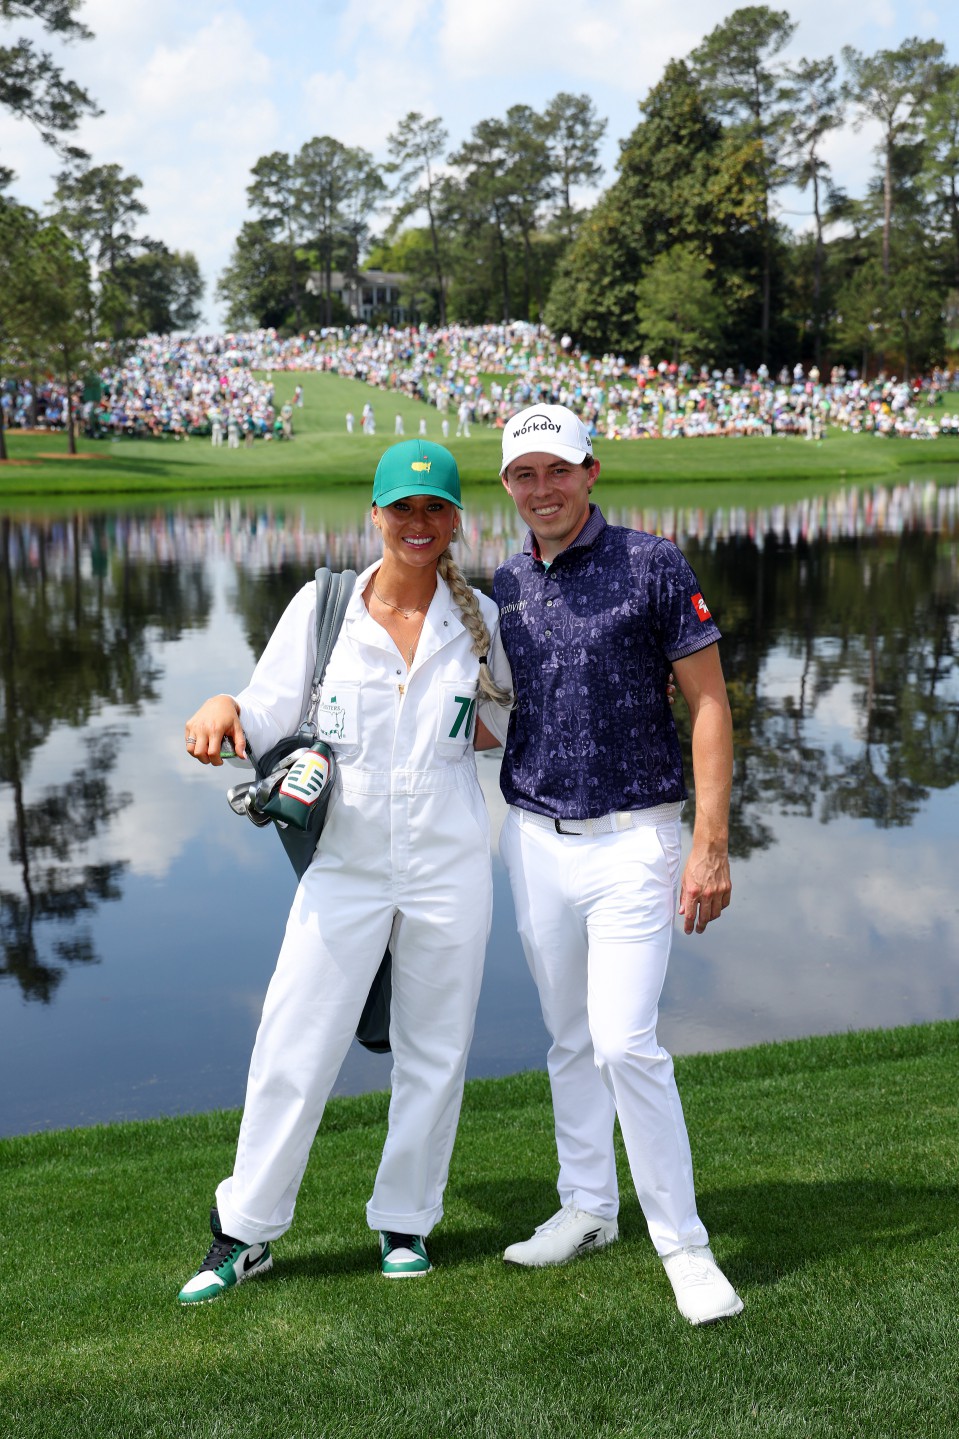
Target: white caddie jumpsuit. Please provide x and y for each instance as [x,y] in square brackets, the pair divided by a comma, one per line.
[404,860]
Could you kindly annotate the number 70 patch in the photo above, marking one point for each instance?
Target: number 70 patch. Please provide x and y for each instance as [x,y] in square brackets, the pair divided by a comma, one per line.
[457,714]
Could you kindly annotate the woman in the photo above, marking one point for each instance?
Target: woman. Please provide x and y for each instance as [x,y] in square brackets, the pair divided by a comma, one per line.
[404,860]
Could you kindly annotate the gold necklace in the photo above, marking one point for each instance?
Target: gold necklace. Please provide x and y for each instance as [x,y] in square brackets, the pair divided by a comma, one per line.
[407,614]
[412,649]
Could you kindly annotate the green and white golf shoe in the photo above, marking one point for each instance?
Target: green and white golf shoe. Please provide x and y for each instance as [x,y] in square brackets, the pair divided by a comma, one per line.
[403,1256]
[228,1262]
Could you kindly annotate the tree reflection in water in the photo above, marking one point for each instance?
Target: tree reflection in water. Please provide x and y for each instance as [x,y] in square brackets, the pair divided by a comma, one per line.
[57,889]
[839,618]
[78,618]
[872,621]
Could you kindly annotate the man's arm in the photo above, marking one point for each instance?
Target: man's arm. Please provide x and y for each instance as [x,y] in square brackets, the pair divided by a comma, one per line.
[706,883]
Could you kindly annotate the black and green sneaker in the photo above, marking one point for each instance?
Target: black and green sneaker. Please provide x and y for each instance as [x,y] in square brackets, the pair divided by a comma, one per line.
[403,1256]
[228,1262]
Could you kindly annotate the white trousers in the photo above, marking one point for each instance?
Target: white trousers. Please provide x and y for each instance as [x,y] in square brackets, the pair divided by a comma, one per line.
[409,869]
[595,914]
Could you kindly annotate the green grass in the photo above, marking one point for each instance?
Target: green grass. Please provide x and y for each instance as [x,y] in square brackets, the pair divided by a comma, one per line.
[750,471]
[826,1172]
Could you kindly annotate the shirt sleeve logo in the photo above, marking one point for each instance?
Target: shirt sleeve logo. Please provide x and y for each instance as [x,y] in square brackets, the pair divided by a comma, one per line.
[701,608]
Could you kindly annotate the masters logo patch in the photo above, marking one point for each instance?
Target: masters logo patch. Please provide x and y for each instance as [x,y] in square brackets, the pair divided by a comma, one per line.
[306,779]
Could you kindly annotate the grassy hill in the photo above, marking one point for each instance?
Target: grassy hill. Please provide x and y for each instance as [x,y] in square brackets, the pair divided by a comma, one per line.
[323,454]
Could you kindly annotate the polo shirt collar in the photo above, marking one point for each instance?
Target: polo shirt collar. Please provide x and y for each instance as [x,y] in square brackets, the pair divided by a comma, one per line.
[587,536]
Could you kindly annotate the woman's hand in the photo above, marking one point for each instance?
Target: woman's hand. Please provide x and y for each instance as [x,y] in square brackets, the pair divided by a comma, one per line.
[217,719]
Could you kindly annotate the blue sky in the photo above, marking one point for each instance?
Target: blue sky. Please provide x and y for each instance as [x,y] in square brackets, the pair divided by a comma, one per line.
[193,94]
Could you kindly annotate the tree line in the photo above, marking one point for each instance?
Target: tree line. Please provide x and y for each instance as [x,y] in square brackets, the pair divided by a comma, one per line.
[83,272]
[684,254]
[497,215]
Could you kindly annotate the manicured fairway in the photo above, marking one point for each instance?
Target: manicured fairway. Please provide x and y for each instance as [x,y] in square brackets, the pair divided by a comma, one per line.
[826,1172]
[322,454]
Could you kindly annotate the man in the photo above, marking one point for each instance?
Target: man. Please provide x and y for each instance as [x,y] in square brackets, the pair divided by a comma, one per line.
[593,617]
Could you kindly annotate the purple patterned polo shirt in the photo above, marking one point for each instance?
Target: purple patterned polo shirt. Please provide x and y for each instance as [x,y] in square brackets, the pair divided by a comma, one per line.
[590,640]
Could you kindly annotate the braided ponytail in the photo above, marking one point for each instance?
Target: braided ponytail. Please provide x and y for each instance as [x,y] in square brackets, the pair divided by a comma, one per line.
[472,615]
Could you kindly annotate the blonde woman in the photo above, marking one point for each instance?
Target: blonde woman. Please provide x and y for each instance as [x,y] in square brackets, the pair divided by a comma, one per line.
[404,860]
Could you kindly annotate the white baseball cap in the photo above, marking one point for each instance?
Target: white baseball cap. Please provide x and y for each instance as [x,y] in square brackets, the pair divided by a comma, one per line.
[546,429]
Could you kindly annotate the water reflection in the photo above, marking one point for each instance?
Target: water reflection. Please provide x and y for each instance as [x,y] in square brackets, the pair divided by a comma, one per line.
[49,838]
[335,530]
[839,617]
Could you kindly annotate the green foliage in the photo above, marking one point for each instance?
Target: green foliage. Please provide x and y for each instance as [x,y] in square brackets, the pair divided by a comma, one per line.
[411,253]
[313,214]
[816,111]
[32,84]
[415,147]
[718,137]
[98,205]
[748,86]
[897,317]
[680,312]
[940,176]
[142,286]
[572,131]
[256,289]
[892,88]
[47,302]
[163,289]
[274,197]
[336,189]
[682,181]
[61,302]
[737,63]
[254,285]
[481,207]
[18,227]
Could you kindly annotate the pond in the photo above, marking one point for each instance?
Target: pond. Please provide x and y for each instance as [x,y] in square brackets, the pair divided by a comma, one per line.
[139,918]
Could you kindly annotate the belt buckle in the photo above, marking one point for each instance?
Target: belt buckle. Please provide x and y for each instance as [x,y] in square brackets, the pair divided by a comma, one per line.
[557,822]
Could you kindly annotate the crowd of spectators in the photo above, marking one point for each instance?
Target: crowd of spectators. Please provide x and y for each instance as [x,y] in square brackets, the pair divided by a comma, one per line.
[498,369]
[208,385]
[222,387]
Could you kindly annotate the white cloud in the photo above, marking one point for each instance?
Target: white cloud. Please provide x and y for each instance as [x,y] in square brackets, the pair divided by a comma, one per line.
[383,27]
[364,107]
[744,981]
[571,46]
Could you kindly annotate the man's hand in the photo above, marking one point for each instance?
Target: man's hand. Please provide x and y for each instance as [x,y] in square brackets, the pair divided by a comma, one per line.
[205,731]
[706,888]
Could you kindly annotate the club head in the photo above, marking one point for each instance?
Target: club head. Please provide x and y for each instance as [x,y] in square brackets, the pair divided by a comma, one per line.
[238,798]
[241,800]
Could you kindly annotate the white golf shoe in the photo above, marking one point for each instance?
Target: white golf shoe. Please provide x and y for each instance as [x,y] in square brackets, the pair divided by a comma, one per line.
[570,1233]
[703,1293]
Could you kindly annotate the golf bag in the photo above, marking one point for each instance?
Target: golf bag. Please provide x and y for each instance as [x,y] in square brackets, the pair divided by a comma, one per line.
[292,788]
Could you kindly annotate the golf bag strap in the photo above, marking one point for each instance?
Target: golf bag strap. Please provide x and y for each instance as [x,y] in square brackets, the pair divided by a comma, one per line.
[333,594]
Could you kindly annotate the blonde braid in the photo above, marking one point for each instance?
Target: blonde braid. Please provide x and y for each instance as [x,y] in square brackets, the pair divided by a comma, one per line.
[472,615]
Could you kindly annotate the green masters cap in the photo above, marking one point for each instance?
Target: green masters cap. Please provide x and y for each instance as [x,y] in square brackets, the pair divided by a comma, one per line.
[416,467]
